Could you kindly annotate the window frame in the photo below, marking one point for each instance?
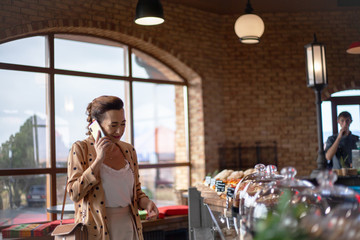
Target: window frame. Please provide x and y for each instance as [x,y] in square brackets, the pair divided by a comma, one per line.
[335,101]
[51,71]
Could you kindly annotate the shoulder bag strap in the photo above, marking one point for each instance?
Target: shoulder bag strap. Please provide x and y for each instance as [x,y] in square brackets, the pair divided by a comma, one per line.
[84,205]
[63,205]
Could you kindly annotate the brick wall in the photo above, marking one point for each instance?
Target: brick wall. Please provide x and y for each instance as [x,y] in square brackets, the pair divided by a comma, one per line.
[237,93]
[266,93]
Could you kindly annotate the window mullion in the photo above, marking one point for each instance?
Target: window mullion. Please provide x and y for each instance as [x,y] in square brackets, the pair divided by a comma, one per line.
[50,109]
[131,102]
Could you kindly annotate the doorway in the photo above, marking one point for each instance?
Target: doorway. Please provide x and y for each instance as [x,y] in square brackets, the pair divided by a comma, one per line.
[349,101]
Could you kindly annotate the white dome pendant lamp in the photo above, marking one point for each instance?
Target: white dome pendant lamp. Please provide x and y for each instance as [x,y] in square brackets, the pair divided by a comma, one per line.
[249,27]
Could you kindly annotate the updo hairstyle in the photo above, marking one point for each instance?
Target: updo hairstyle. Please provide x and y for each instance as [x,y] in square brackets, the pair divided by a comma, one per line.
[100,105]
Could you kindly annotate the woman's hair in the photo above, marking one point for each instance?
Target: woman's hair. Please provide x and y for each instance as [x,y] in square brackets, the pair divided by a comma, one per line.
[96,109]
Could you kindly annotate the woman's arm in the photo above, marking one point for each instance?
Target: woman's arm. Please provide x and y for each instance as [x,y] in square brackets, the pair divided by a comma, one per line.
[80,176]
[143,201]
[139,193]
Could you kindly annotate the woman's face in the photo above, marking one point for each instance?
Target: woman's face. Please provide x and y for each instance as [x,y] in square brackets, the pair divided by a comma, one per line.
[113,124]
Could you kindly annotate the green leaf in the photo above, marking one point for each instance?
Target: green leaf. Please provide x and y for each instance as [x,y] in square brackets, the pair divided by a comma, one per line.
[342,161]
[276,225]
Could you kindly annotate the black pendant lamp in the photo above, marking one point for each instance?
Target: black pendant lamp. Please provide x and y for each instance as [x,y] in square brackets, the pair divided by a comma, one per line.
[149,12]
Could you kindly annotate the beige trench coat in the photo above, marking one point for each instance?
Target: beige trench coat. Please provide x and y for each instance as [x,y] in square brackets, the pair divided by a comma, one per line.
[84,184]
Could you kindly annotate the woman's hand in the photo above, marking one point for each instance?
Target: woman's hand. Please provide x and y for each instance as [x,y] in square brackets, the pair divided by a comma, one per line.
[102,147]
[150,207]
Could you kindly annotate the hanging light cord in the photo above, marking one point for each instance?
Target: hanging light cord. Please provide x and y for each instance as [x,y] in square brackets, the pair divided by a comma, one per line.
[248,8]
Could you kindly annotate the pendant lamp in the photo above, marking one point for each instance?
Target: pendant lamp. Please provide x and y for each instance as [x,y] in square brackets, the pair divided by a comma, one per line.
[249,27]
[354,48]
[149,12]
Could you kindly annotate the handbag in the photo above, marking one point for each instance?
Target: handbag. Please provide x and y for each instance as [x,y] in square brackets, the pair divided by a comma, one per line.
[73,231]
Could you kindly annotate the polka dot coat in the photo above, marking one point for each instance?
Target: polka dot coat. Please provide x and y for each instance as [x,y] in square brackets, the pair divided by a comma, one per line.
[84,184]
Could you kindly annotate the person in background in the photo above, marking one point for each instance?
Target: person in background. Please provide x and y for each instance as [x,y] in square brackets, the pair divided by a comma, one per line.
[338,147]
[104,172]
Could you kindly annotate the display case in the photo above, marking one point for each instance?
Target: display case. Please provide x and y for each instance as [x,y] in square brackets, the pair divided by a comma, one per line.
[211,216]
[211,219]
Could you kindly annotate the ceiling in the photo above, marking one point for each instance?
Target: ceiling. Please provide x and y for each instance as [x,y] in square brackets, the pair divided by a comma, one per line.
[265,6]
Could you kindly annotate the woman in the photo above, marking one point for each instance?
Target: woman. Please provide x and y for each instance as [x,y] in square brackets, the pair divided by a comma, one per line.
[103,174]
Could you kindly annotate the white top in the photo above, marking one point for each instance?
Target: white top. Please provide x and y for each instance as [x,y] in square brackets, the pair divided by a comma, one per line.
[118,185]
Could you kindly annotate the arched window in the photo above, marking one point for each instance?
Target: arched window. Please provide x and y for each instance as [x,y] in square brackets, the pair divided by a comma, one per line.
[47,82]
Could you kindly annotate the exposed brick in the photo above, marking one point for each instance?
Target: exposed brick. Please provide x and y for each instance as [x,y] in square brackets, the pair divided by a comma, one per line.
[237,93]
[11,9]
[28,11]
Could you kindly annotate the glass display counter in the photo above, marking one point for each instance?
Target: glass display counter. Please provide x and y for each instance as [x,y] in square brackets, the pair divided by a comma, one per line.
[211,216]
[227,225]
[213,220]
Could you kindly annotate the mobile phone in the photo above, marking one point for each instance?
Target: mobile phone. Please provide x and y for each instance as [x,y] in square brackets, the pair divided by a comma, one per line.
[94,129]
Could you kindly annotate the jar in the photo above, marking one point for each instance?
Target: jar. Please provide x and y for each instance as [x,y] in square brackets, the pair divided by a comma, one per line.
[342,222]
[252,184]
[267,199]
[334,194]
